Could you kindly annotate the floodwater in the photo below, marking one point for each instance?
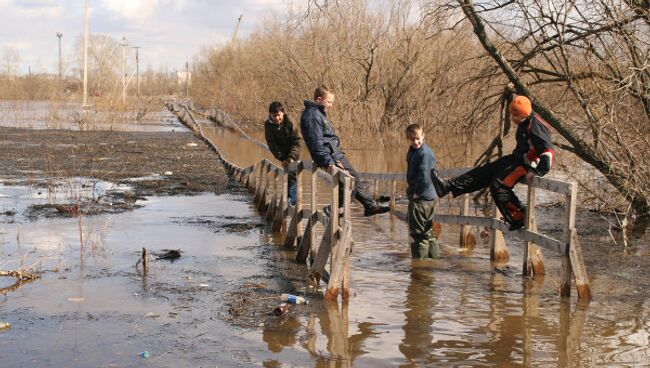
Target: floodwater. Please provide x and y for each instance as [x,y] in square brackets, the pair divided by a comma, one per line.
[92,307]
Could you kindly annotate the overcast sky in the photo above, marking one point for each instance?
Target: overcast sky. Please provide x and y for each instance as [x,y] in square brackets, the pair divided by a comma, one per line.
[170,31]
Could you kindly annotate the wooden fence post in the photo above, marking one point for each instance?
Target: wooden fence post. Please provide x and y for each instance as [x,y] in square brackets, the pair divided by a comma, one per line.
[336,267]
[264,179]
[578,267]
[467,239]
[308,239]
[569,224]
[257,179]
[498,250]
[346,243]
[533,263]
[295,230]
[314,209]
[280,213]
[274,198]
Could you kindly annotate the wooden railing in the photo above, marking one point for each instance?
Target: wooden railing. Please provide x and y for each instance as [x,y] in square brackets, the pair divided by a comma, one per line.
[268,182]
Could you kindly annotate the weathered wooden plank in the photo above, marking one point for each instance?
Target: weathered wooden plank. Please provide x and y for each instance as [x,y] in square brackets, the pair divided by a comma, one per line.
[464,220]
[314,209]
[553,185]
[305,244]
[467,239]
[294,225]
[339,254]
[578,267]
[348,184]
[498,250]
[299,204]
[569,224]
[530,225]
[323,254]
[280,215]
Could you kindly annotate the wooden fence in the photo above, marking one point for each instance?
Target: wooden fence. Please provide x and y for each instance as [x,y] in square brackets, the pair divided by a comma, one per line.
[268,182]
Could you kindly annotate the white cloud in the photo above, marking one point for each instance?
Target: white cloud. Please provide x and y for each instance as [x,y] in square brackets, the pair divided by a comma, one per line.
[170,31]
[138,9]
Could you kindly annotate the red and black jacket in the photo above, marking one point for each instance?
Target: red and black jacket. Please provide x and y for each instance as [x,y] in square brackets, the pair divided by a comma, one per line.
[533,141]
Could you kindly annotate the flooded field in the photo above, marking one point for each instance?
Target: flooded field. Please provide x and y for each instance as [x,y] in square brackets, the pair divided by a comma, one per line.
[93,307]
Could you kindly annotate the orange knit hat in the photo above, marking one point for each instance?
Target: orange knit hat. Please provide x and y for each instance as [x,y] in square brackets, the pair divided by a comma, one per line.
[520,106]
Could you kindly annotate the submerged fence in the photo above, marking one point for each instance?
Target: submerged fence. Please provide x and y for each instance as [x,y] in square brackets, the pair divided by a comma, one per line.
[268,183]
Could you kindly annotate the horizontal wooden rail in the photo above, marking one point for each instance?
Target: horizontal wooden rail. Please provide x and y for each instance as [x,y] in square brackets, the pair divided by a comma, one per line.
[264,175]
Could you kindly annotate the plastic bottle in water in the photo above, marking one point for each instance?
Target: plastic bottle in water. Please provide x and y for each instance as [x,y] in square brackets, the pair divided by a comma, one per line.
[293,299]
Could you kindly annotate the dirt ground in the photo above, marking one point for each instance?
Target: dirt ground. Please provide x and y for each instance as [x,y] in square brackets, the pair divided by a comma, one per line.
[150,163]
[179,162]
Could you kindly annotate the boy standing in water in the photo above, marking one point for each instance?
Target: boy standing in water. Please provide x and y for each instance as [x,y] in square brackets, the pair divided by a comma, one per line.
[421,194]
[283,140]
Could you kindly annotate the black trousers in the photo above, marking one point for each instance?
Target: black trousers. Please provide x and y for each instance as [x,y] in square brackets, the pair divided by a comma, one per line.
[500,176]
[359,191]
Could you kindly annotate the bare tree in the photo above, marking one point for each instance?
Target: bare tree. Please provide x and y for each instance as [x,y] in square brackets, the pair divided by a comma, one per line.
[585,65]
[10,61]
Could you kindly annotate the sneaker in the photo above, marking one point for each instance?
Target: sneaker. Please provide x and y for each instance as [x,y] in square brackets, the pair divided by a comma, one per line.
[375,210]
[441,186]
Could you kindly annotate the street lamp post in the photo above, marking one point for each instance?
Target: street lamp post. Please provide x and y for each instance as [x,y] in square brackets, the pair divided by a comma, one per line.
[137,69]
[124,45]
[85,101]
[59,35]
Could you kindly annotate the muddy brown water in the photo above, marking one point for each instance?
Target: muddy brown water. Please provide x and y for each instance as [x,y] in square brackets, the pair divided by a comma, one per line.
[93,308]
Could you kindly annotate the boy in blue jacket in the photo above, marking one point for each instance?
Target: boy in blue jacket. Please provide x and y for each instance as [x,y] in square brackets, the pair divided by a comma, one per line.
[324,147]
[421,194]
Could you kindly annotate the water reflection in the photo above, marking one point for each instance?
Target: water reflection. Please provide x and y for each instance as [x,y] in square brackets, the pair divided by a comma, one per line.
[418,327]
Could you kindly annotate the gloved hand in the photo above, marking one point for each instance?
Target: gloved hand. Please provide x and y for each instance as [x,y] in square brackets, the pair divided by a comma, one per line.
[543,166]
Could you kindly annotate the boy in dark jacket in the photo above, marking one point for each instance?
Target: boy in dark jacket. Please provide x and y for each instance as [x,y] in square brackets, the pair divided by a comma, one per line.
[283,140]
[533,155]
[421,194]
[324,147]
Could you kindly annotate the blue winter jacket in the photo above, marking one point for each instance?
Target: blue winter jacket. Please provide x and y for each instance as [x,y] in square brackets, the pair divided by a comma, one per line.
[319,136]
[418,174]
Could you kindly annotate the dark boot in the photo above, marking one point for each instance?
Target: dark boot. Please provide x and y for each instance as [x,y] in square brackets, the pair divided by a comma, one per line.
[441,186]
[375,210]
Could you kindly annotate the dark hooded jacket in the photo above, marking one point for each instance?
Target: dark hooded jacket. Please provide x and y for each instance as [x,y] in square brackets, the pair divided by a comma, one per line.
[283,139]
[533,140]
[319,135]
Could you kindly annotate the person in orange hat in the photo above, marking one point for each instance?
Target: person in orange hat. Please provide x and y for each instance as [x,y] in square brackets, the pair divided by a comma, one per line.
[533,155]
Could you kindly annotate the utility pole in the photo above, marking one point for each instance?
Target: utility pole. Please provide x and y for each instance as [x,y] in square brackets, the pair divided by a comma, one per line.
[59,35]
[137,69]
[187,79]
[124,45]
[85,103]
[234,35]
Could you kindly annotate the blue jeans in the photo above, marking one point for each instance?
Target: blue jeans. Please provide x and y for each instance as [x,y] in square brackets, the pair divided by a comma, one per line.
[292,186]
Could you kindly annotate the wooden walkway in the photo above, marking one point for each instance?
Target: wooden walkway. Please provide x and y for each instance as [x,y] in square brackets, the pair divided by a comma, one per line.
[268,184]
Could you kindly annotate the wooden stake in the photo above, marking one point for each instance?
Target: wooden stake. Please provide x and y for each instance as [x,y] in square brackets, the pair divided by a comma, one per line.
[569,225]
[314,209]
[531,226]
[578,267]
[339,255]
[348,184]
[498,250]
[467,238]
